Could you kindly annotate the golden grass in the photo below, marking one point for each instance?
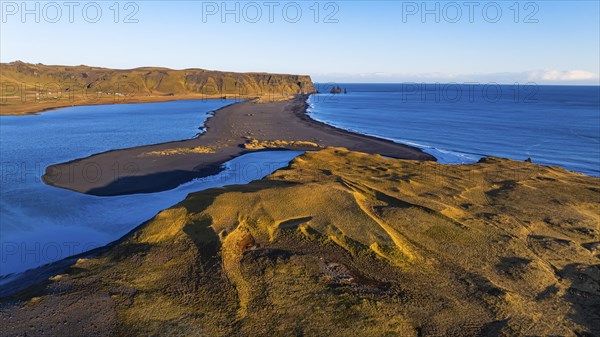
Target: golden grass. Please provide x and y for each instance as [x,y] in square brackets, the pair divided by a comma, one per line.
[255,144]
[343,243]
[179,151]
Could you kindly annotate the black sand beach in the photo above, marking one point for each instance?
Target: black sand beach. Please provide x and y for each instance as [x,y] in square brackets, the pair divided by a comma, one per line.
[230,133]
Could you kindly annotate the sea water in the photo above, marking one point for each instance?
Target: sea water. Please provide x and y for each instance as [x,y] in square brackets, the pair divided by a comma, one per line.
[461,123]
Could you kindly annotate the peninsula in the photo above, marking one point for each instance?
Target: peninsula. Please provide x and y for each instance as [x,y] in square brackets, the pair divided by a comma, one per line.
[342,243]
[234,130]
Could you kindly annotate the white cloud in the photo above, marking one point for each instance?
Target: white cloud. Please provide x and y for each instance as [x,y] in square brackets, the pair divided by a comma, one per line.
[534,76]
[557,75]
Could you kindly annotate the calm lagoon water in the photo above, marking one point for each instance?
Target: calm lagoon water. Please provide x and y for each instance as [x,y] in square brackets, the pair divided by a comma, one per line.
[41,224]
[554,125]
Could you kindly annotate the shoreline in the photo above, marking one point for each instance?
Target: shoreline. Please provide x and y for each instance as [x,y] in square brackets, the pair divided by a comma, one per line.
[129,171]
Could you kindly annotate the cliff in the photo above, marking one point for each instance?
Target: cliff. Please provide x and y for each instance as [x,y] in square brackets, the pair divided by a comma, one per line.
[35,87]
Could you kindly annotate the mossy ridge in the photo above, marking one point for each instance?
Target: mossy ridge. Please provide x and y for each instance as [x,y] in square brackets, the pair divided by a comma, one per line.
[497,247]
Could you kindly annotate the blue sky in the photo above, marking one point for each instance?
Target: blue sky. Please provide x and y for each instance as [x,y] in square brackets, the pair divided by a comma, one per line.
[551,42]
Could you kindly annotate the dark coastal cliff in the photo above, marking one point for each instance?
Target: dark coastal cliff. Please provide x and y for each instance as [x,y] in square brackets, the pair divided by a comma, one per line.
[35,87]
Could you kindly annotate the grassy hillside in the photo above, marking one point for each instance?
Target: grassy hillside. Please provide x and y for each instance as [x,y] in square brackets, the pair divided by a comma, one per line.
[29,88]
[346,244]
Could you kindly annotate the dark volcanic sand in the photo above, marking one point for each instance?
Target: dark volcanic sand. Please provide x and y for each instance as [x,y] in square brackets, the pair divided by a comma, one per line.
[127,171]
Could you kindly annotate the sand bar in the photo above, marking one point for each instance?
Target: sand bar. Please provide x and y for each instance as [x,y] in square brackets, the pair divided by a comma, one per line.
[234,130]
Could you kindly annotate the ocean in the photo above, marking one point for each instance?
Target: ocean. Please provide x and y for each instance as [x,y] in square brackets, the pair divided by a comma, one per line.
[461,123]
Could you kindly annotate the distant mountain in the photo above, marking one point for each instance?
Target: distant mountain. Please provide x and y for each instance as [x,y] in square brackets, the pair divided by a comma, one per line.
[23,84]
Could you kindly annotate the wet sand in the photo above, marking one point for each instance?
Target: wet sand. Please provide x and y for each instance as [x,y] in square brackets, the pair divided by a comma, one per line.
[145,170]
